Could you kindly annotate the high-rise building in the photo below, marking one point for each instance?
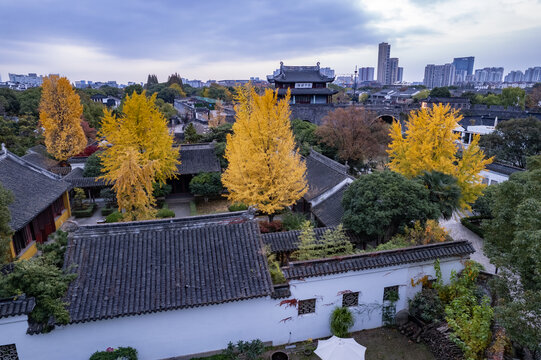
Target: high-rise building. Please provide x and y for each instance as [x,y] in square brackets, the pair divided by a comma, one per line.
[366,74]
[393,71]
[384,52]
[400,74]
[514,76]
[439,75]
[463,68]
[489,75]
[533,74]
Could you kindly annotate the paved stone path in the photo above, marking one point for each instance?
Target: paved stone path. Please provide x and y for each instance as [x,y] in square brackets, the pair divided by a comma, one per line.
[460,232]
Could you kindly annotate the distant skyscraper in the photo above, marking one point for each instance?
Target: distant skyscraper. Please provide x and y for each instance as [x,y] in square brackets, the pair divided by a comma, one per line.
[463,68]
[439,75]
[366,74]
[400,74]
[393,71]
[533,74]
[327,71]
[493,75]
[514,76]
[384,52]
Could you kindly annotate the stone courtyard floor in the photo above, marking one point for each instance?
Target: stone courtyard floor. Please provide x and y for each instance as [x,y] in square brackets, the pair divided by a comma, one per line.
[460,232]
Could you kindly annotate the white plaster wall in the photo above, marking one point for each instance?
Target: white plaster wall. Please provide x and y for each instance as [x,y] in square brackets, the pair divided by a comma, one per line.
[493,176]
[189,331]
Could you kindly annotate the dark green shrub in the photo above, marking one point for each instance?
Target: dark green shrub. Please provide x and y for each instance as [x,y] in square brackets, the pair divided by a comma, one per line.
[161,190]
[109,196]
[114,217]
[474,224]
[482,205]
[93,166]
[107,211]
[292,220]
[206,184]
[84,212]
[53,250]
[127,353]
[250,350]
[238,207]
[165,213]
[341,321]
[427,306]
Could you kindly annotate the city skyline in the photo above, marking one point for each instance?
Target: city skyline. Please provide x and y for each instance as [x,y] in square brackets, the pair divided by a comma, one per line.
[209,41]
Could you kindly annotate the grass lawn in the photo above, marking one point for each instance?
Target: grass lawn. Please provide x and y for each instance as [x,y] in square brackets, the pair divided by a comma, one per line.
[213,206]
[381,344]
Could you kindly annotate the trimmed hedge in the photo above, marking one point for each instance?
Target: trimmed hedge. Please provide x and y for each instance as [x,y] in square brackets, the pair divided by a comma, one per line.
[471,222]
[107,211]
[113,217]
[82,213]
[238,207]
[127,353]
[165,213]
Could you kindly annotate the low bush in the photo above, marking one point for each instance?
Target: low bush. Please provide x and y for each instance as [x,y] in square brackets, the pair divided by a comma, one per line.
[249,350]
[341,321]
[165,212]
[292,220]
[107,211]
[270,226]
[427,306]
[238,207]
[206,184]
[84,212]
[113,217]
[124,353]
[473,223]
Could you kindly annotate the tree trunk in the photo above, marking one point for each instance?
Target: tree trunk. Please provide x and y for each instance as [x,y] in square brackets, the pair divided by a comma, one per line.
[271,217]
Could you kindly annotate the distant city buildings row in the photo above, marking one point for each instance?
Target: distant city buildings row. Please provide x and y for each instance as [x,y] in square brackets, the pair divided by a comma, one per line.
[460,71]
[532,74]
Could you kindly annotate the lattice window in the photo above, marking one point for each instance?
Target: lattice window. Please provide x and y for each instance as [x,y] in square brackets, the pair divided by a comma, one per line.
[350,299]
[8,352]
[390,293]
[307,306]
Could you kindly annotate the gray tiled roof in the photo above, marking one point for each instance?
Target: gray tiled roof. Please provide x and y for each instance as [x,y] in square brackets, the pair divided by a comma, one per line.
[76,178]
[503,169]
[197,158]
[286,241]
[135,268]
[330,211]
[33,188]
[304,269]
[299,74]
[40,160]
[322,174]
[20,305]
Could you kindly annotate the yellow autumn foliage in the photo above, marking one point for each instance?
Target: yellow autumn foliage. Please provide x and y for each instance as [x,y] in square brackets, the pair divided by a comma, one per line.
[141,153]
[264,168]
[60,115]
[429,144]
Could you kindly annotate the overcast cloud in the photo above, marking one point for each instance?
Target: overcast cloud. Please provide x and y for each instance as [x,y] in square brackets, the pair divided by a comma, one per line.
[125,40]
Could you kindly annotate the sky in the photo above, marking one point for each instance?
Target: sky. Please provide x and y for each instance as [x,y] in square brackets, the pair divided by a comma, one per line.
[125,41]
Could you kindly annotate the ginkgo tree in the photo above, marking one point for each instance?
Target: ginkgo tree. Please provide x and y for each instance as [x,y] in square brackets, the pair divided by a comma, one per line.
[264,169]
[141,153]
[429,143]
[60,116]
